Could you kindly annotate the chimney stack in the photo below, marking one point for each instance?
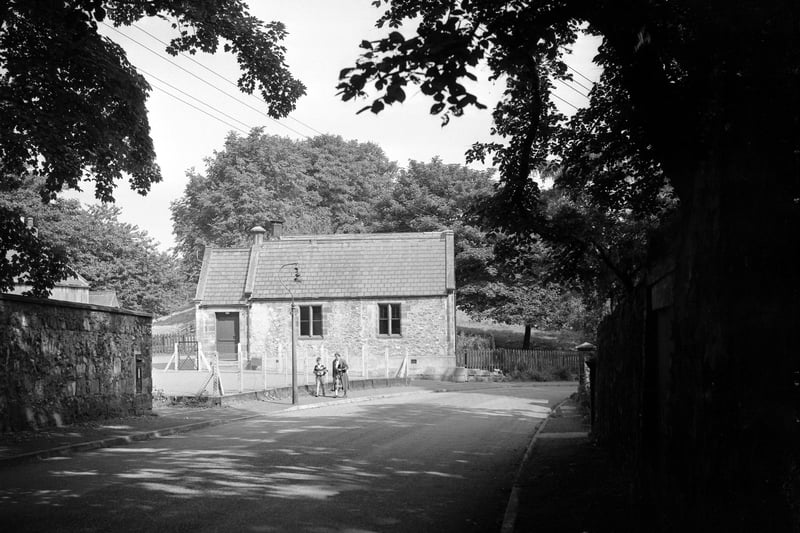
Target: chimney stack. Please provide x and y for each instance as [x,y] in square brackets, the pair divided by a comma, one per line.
[30,224]
[258,235]
[277,229]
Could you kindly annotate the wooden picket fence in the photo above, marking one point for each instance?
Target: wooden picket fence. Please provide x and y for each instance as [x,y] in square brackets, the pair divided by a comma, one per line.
[165,343]
[507,360]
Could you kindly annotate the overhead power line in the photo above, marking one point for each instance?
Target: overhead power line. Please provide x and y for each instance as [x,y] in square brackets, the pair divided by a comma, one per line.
[571,87]
[199,109]
[568,103]
[582,76]
[579,84]
[220,76]
[195,99]
[205,81]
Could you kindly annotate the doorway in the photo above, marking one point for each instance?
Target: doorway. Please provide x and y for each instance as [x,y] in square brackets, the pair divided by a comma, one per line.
[227,335]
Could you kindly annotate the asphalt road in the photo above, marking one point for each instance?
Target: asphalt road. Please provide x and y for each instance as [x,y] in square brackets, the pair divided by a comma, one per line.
[429,462]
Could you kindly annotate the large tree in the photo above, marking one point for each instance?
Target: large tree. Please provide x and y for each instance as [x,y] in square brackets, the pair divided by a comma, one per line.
[434,196]
[319,185]
[710,92]
[109,253]
[72,108]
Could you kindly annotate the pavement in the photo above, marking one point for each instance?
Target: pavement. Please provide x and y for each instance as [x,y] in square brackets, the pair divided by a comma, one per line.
[565,482]
[568,484]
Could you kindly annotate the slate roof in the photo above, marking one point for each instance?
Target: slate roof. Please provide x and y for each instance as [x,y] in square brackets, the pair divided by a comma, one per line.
[331,266]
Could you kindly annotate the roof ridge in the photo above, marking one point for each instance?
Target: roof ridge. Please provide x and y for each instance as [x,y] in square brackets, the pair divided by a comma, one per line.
[363,236]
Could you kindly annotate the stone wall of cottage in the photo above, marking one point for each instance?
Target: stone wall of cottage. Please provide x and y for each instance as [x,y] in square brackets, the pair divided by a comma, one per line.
[62,362]
[350,327]
[206,327]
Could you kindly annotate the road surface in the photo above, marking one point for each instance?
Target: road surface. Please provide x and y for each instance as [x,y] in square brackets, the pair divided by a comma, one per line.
[426,462]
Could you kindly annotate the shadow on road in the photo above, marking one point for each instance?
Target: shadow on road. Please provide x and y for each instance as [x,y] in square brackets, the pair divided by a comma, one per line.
[359,467]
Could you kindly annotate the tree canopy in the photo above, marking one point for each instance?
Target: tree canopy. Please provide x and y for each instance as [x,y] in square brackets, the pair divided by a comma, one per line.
[108,253]
[319,185]
[677,79]
[434,196]
[72,107]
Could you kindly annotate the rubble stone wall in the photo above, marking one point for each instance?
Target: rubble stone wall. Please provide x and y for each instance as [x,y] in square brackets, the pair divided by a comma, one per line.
[62,362]
[350,327]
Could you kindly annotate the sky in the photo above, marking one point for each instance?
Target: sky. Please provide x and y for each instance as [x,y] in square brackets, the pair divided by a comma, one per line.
[323,38]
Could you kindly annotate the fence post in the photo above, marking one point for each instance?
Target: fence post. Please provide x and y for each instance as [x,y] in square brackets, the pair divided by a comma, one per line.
[202,357]
[241,366]
[264,366]
[386,361]
[364,370]
[305,366]
[284,370]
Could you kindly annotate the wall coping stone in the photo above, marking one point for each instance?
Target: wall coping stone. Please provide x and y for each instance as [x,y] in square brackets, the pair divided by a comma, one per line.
[75,305]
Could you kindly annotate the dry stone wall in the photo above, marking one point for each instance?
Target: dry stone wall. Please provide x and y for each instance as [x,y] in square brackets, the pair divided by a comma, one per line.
[62,362]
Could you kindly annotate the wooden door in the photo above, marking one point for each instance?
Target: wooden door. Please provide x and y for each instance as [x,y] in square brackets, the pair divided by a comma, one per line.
[227,335]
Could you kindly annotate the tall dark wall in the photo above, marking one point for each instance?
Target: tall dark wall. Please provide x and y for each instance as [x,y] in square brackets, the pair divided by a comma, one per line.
[732,444]
[698,370]
[618,382]
[62,362]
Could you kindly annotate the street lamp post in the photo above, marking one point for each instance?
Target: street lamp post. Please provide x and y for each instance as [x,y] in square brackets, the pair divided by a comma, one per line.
[291,310]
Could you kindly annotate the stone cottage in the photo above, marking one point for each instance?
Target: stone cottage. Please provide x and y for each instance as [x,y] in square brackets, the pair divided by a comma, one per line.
[385,301]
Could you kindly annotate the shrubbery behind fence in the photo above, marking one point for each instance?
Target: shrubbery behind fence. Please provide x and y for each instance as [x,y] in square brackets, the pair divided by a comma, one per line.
[508,361]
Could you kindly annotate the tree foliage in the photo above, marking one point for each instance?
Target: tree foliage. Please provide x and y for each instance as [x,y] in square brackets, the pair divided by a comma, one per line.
[72,108]
[610,194]
[666,100]
[436,196]
[108,253]
[433,196]
[318,185]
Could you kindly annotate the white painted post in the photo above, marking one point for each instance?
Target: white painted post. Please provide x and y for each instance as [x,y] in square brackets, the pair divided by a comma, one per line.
[406,362]
[201,358]
[364,361]
[264,366]
[241,366]
[282,363]
[173,358]
[386,362]
[216,380]
[305,366]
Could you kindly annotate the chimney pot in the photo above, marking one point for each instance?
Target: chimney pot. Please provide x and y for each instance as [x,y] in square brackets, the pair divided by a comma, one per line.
[30,223]
[258,234]
[277,228]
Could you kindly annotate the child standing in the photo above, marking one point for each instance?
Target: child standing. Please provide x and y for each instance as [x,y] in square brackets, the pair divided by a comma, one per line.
[319,374]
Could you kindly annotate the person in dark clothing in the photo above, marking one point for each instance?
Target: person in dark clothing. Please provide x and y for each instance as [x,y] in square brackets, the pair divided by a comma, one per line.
[340,379]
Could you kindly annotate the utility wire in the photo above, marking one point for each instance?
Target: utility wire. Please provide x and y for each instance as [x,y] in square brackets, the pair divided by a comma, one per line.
[571,87]
[568,103]
[206,82]
[199,109]
[582,76]
[579,84]
[195,99]
[220,76]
